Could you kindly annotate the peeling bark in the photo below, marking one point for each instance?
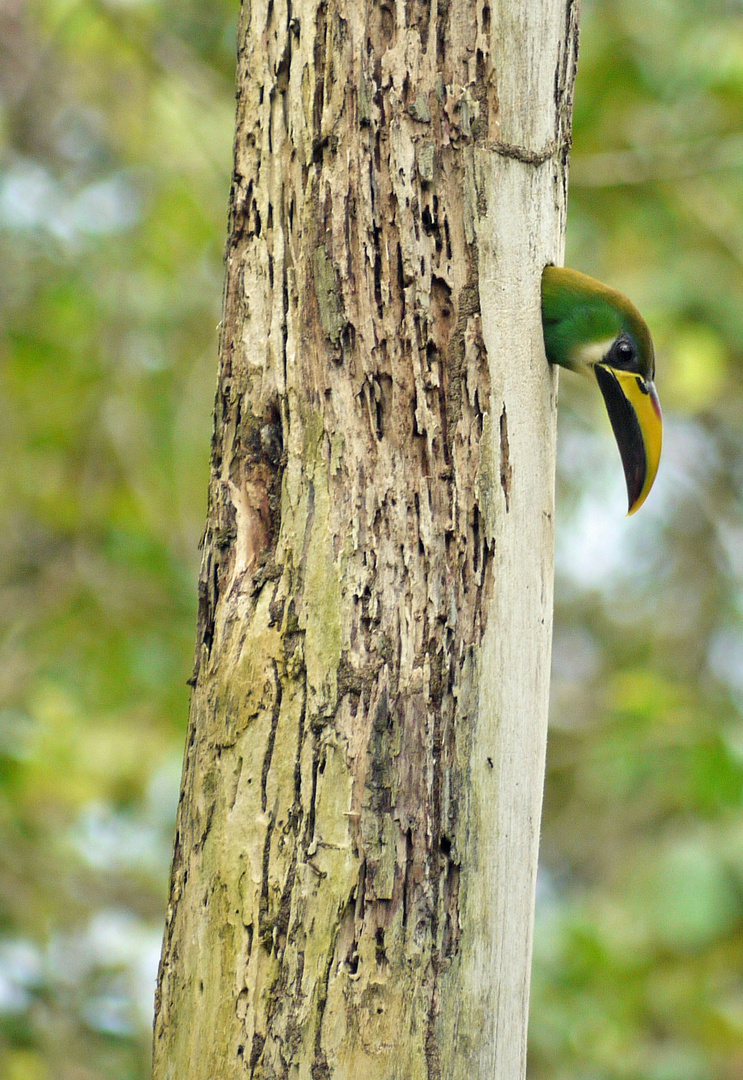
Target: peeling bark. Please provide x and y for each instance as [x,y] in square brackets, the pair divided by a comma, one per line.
[353,876]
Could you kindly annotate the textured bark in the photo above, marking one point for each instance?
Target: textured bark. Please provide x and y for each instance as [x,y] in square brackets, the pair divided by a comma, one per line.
[353,878]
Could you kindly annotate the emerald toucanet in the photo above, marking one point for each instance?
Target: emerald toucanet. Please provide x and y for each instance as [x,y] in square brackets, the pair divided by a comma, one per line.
[590,327]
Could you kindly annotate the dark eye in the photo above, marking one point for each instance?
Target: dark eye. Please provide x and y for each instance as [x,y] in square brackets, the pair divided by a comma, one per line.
[624,352]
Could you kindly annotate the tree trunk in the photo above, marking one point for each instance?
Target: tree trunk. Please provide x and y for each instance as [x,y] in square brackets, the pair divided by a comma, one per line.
[353,879]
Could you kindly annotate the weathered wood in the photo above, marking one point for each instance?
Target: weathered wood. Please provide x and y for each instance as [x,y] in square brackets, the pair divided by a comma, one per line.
[353,878]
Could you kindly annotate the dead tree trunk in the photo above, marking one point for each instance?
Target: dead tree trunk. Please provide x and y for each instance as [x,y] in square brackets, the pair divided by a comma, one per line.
[353,879]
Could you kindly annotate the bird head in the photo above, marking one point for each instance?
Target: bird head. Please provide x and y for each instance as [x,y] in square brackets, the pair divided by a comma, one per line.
[590,327]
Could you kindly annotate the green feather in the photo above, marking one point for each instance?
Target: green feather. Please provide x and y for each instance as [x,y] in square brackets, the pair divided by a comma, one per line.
[578,312]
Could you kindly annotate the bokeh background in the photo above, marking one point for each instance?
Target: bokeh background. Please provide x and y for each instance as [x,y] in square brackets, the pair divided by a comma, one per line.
[115,153]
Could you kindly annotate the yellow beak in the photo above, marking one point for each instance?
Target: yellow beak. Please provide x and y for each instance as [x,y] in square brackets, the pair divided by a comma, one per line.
[634,412]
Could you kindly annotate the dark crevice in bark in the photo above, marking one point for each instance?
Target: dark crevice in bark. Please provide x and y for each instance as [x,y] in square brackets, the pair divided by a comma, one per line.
[275,714]
[320,1068]
[506,472]
[265,923]
[296,813]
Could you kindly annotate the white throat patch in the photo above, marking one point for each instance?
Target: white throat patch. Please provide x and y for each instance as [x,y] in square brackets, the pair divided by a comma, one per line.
[592,353]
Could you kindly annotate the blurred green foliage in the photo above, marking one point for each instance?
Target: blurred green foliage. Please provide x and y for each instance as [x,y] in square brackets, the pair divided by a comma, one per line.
[115,152]
[638,969]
